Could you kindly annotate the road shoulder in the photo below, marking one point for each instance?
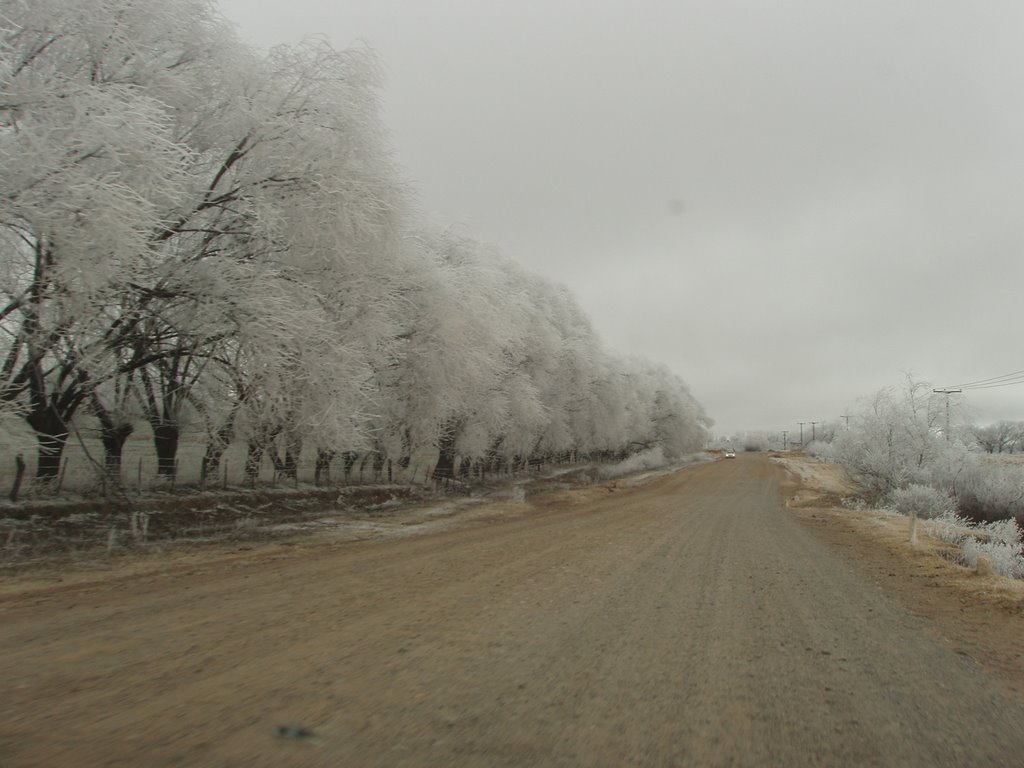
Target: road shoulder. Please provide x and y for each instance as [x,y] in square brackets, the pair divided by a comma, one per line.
[980,617]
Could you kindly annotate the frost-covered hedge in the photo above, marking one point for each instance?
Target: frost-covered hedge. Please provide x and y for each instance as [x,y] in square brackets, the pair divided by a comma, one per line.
[1001,541]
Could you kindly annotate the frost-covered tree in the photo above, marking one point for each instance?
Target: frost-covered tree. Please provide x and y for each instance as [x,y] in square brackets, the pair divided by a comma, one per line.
[296,190]
[654,409]
[679,420]
[897,438]
[324,227]
[616,419]
[154,171]
[189,227]
[557,347]
[88,164]
[498,366]
[442,386]
[1001,437]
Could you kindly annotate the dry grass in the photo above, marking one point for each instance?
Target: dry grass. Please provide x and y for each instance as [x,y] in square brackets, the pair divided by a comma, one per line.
[818,491]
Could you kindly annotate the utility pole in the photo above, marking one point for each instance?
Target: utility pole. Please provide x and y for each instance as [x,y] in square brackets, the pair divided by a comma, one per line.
[845,417]
[947,393]
[812,430]
[784,443]
[801,423]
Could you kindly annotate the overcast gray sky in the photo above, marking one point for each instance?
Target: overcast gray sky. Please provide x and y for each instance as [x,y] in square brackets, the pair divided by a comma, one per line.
[791,204]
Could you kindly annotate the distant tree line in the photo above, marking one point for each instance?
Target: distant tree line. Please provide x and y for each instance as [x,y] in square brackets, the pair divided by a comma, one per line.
[192,229]
[1000,437]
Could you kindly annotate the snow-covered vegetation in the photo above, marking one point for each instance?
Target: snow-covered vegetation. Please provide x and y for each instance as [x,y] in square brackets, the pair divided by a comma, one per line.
[999,541]
[922,501]
[911,455]
[192,230]
[638,462]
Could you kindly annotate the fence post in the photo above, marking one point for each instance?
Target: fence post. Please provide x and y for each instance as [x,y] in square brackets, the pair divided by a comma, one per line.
[19,462]
[60,478]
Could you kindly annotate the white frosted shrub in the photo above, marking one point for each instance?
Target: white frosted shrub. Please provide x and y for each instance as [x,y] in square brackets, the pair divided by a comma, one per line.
[1006,558]
[922,500]
[1001,542]
[822,450]
[1003,531]
[638,462]
[950,527]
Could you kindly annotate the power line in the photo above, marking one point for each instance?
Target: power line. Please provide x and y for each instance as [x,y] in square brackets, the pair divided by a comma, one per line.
[1006,380]
[992,379]
[993,386]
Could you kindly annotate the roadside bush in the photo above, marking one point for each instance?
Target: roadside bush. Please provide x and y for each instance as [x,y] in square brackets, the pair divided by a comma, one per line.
[1000,540]
[922,500]
[1003,548]
[638,462]
[991,490]
[822,450]
[950,527]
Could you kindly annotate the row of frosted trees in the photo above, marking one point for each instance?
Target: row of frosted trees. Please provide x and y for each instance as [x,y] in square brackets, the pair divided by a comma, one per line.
[192,229]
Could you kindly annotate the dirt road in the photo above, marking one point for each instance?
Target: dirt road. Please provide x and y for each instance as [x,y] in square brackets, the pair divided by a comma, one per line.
[692,621]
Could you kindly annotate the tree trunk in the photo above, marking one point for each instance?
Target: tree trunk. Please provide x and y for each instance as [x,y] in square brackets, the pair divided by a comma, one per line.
[349,458]
[288,465]
[165,440]
[445,468]
[253,460]
[19,473]
[51,437]
[291,463]
[322,469]
[406,458]
[114,436]
[492,458]
[114,433]
[217,443]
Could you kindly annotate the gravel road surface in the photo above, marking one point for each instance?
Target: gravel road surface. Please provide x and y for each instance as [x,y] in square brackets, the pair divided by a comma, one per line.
[690,621]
